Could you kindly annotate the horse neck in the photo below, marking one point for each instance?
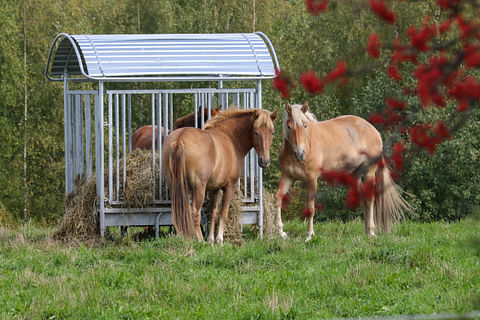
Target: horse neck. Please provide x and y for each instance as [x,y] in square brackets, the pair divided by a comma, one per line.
[239,130]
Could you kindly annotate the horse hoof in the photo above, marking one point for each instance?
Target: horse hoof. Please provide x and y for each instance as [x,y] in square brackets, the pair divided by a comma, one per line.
[220,242]
[283,235]
[308,238]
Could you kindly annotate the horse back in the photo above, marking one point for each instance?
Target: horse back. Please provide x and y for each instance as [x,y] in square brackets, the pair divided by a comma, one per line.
[347,134]
[142,137]
[199,152]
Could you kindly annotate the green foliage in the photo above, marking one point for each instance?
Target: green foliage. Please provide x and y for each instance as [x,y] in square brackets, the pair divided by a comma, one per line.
[419,269]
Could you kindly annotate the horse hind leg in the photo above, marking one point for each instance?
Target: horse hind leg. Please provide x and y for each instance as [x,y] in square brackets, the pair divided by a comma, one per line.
[198,196]
[368,205]
[214,196]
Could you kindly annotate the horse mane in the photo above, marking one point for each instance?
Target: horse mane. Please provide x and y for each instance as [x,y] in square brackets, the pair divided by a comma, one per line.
[232,113]
[298,117]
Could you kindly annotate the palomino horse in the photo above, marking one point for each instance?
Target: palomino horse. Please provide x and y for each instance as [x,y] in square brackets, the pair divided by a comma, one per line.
[197,161]
[348,144]
[142,137]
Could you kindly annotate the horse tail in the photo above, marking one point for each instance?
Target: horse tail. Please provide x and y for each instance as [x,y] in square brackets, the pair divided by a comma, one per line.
[181,210]
[389,202]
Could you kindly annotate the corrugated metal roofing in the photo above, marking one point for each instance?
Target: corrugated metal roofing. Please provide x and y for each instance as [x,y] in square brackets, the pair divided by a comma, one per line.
[162,55]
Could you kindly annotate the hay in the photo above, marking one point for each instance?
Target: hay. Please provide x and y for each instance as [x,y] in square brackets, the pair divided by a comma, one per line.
[139,181]
[233,229]
[80,221]
[269,214]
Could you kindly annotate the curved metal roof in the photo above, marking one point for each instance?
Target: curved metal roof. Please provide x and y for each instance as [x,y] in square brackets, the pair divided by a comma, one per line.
[162,57]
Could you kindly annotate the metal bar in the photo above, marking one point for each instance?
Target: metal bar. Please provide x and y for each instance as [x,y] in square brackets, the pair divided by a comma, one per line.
[245,184]
[110,148]
[161,79]
[196,98]
[201,110]
[79,136]
[260,171]
[88,135]
[83,92]
[117,148]
[171,114]
[165,129]
[99,146]
[129,123]
[71,167]
[124,142]
[183,91]
[65,133]
[252,174]
[152,105]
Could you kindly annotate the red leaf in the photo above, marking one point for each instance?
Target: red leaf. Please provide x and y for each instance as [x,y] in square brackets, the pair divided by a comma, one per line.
[374,45]
[307,212]
[380,9]
[316,6]
[282,84]
[395,104]
[311,83]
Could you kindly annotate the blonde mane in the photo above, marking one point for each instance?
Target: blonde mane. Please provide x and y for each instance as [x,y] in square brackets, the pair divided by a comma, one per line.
[298,117]
[263,118]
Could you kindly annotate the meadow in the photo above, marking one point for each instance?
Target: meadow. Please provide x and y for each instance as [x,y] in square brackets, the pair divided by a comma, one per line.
[418,269]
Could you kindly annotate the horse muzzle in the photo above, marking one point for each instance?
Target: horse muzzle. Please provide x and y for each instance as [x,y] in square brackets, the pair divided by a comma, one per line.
[263,162]
[300,156]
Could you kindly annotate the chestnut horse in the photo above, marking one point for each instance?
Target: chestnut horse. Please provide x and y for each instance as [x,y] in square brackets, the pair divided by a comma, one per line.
[189,119]
[347,143]
[142,137]
[210,160]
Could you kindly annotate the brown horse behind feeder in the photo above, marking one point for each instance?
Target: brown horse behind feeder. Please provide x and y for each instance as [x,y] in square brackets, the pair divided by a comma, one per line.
[344,144]
[210,160]
[142,137]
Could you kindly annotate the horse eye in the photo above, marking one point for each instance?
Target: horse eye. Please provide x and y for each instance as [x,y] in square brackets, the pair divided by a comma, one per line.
[255,133]
[289,127]
[305,126]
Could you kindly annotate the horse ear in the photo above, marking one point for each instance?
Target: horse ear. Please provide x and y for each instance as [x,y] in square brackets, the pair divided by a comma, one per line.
[305,107]
[274,115]
[256,114]
[288,108]
[219,108]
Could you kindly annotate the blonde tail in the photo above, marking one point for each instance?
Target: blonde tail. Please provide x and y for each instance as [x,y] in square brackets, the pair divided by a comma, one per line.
[389,202]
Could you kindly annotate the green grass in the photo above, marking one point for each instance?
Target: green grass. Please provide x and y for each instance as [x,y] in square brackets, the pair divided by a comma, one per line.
[419,269]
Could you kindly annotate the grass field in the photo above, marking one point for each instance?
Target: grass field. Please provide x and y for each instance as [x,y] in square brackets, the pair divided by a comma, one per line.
[419,269]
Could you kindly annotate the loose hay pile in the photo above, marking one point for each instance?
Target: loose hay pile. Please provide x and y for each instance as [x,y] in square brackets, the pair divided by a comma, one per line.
[269,213]
[140,177]
[233,229]
[80,221]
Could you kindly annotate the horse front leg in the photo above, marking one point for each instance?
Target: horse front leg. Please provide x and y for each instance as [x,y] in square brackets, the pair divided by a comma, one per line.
[283,186]
[369,205]
[228,192]
[214,196]
[310,212]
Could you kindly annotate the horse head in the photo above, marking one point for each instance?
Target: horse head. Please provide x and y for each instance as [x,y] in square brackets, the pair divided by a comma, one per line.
[262,135]
[295,124]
